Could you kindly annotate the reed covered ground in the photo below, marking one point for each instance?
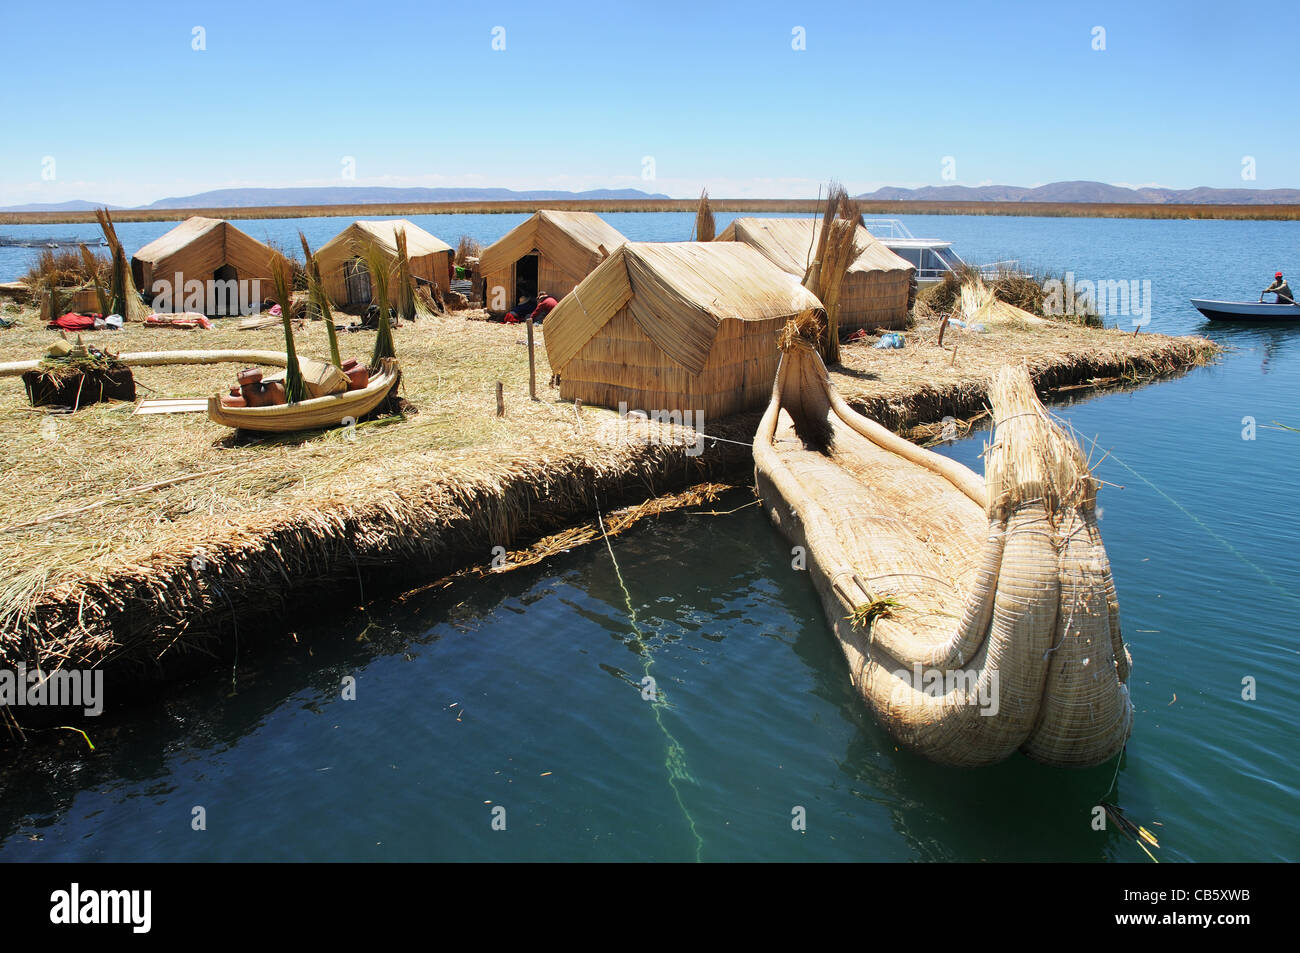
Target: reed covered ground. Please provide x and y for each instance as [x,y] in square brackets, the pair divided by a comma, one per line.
[151,544]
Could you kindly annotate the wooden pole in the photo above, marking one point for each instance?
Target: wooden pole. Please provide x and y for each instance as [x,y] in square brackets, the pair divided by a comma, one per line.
[532,363]
[501,400]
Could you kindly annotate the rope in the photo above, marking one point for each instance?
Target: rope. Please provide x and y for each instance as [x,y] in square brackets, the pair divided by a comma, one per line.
[675,758]
[1209,532]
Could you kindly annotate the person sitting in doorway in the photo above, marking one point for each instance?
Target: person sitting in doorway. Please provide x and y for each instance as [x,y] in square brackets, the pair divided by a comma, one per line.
[1281,289]
[545,304]
[521,311]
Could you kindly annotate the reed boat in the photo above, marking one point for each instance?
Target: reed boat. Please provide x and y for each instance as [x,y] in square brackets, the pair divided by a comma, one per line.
[317,412]
[978,617]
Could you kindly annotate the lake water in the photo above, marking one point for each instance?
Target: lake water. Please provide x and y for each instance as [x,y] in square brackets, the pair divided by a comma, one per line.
[522,692]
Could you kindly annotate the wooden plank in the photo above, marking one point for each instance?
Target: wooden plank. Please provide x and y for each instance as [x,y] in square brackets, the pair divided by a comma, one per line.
[173,405]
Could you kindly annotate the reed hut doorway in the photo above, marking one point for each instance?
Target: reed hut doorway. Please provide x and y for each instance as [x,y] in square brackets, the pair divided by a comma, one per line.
[357,278]
[225,299]
[526,278]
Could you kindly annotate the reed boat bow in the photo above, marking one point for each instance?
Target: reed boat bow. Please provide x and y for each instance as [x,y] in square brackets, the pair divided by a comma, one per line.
[978,617]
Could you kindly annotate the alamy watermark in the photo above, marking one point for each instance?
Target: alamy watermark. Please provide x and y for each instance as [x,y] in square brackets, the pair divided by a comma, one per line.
[1104,297]
[62,688]
[675,428]
[216,296]
[936,685]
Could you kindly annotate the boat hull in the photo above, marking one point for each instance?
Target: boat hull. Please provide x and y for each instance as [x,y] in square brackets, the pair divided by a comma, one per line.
[314,414]
[1246,310]
[1004,633]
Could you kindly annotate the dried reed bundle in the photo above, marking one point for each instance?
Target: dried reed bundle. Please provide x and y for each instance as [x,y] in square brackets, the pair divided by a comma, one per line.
[378,263]
[96,275]
[705,228]
[320,299]
[836,250]
[282,275]
[124,299]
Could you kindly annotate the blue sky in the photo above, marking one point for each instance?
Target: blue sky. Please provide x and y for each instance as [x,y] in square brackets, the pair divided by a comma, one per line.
[583,93]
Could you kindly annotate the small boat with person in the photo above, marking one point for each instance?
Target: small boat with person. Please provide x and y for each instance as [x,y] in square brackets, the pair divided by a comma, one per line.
[1248,311]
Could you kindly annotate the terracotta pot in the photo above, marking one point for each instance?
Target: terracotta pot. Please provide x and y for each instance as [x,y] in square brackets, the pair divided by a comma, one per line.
[250,376]
[358,378]
[235,392]
[275,391]
[229,401]
[349,364]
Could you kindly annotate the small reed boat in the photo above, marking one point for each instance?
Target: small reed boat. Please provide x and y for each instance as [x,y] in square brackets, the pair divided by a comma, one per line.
[317,412]
[978,617]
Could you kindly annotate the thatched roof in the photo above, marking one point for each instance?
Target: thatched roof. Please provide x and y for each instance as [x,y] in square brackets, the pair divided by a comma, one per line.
[790,244]
[384,231]
[210,239]
[571,241]
[678,293]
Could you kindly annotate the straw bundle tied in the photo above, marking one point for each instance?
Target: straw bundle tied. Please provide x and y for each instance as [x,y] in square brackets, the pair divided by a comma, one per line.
[835,253]
[408,303]
[320,299]
[978,618]
[124,299]
[295,389]
[378,263]
[978,303]
[93,268]
[705,228]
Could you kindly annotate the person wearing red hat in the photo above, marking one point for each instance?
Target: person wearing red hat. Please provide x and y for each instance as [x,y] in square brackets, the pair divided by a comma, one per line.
[1280,288]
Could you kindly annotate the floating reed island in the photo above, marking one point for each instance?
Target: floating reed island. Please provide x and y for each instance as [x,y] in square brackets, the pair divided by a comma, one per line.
[154,545]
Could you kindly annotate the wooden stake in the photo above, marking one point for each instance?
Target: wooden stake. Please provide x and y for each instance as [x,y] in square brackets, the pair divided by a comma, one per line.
[532,363]
[954,356]
[501,400]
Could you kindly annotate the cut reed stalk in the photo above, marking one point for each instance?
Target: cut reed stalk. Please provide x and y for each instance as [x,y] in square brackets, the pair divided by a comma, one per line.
[281,273]
[705,227]
[320,299]
[377,262]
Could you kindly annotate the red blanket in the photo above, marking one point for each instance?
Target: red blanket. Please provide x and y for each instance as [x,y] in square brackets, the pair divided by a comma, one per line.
[75,322]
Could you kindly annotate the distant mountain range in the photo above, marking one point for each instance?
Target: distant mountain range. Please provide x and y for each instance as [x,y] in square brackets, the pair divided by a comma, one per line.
[344,195]
[76,205]
[1095,192]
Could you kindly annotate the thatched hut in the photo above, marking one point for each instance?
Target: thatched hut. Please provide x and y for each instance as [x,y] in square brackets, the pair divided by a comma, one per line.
[675,326]
[552,251]
[203,250]
[878,288]
[343,270]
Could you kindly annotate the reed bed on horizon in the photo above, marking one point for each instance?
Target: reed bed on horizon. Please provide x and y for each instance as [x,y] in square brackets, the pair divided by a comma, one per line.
[866,206]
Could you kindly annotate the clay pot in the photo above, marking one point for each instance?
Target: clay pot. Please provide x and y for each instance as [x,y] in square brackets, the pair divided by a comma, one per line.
[348,364]
[235,392]
[250,376]
[358,378]
[229,401]
[275,391]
